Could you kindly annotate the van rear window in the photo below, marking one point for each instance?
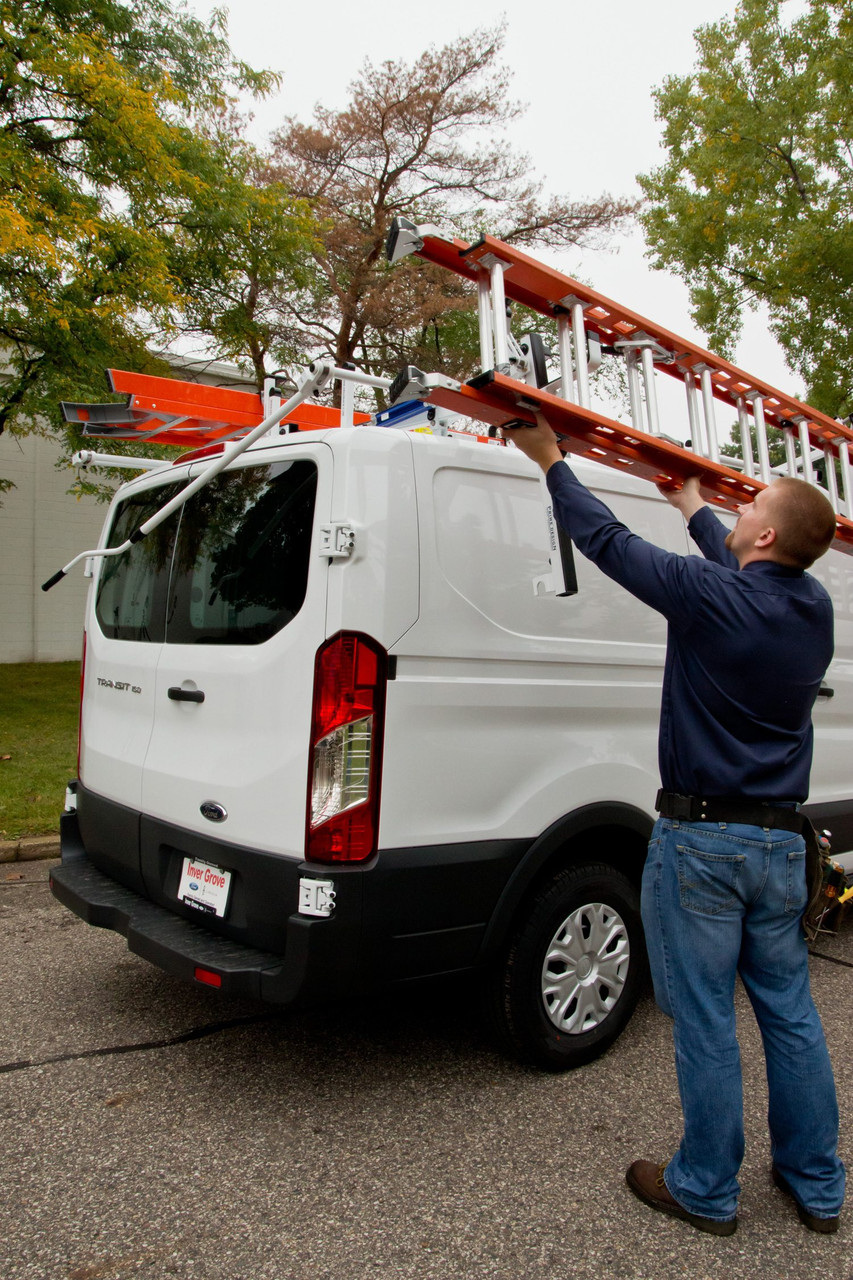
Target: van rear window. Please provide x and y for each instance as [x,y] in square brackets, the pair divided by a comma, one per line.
[131,601]
[230,567]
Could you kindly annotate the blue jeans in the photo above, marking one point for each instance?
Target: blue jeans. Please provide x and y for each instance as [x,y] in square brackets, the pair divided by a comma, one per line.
[720,899]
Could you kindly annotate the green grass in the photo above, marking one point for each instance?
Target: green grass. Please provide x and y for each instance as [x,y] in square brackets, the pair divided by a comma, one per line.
[38,732]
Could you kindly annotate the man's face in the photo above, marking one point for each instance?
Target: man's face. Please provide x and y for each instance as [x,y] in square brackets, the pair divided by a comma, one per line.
[753,519]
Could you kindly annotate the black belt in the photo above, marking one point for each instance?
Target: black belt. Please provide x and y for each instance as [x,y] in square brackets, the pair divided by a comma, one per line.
[753,813]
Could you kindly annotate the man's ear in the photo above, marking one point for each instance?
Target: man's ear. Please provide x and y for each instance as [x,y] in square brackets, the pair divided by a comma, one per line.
[766,538]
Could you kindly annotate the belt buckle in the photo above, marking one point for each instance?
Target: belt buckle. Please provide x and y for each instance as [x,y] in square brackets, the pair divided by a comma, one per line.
[677,806]
[687,807]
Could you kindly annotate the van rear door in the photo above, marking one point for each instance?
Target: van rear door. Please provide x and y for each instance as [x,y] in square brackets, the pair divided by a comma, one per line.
[125,633]
[245,615]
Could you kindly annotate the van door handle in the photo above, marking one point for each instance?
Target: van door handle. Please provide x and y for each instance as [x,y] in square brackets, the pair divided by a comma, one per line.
[825,692]
[177,694]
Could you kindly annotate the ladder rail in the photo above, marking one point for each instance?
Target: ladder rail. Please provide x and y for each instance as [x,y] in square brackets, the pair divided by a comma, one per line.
[566,347]
[496,399]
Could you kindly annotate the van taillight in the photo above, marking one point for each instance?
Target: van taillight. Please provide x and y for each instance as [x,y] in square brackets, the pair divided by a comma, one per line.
[80,709]
[347,724]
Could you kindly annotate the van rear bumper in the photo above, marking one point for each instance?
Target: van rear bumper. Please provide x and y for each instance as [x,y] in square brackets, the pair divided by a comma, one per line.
[311,969]
[407,914]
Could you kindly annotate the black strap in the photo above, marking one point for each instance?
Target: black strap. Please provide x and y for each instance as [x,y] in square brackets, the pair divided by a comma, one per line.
[753,813]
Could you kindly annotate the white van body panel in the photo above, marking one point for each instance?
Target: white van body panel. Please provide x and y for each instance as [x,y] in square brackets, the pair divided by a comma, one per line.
[538,704]
[375,590]
[119,716]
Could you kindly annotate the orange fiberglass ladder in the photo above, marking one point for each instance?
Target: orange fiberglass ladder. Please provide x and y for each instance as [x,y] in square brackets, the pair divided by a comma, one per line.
[192,414]
[514,383]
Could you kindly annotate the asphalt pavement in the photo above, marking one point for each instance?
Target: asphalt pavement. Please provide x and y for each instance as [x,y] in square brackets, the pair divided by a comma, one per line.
[149,1128]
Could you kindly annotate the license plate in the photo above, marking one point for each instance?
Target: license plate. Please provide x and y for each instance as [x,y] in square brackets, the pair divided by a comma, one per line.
[204,886]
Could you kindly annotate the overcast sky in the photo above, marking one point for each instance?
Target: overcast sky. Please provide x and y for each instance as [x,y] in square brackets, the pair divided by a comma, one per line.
[585,72]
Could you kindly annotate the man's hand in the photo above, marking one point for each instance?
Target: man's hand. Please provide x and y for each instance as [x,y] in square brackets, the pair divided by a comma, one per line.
[539,443]
[687,499]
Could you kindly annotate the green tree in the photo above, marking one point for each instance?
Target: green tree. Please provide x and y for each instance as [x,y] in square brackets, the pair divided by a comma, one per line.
[244,244]
[125,204]
[426,140]
[754,202]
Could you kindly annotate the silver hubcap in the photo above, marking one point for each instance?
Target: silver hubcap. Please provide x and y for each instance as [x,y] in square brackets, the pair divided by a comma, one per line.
[585,968]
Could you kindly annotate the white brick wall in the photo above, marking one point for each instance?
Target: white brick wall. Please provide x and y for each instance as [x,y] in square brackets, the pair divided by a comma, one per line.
[41,528]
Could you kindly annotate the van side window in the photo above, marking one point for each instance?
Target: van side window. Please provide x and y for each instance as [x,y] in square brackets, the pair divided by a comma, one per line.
[230,567]
[240,567]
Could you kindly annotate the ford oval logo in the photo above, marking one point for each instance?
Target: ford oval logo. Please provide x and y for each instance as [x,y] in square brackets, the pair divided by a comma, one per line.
[213,812]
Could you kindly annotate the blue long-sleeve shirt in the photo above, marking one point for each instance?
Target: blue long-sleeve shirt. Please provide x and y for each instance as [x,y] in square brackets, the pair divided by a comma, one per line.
[746,650]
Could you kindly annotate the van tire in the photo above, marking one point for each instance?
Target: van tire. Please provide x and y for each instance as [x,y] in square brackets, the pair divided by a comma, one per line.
[587,918]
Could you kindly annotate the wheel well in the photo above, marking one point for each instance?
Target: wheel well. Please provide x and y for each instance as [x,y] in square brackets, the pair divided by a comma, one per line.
[619,839]
[620,847]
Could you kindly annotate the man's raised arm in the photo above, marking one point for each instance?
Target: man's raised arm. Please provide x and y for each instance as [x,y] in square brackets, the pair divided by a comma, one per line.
[707,530]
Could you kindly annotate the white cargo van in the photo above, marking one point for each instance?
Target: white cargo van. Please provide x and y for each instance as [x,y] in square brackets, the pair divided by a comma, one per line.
[334,733]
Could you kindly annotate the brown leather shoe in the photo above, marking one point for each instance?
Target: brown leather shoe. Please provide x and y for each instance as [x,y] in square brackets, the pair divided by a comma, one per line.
[826,1226]
[645,1178]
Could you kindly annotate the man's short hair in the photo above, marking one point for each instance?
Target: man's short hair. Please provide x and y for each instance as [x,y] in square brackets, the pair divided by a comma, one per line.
[803,519]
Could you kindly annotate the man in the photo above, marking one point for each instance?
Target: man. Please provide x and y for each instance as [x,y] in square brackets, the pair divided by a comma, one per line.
[749,637]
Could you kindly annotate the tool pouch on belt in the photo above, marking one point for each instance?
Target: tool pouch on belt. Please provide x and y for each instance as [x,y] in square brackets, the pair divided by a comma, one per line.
[818,863]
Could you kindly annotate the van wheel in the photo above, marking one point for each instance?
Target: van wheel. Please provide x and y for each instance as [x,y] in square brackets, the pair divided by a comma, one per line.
[573,971]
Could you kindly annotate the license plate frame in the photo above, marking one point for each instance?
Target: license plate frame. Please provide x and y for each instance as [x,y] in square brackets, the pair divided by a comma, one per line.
[204,886]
